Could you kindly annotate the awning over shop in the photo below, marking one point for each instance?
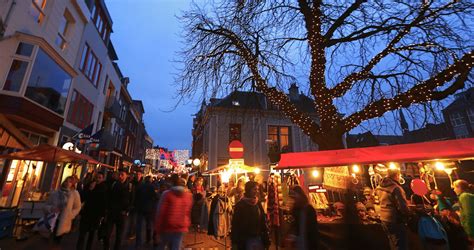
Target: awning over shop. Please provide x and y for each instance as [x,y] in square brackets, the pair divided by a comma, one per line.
[239,170]
[49,153]
[425,151]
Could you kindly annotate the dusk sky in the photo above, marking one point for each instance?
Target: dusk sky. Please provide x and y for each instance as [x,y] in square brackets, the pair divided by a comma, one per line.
[146,38]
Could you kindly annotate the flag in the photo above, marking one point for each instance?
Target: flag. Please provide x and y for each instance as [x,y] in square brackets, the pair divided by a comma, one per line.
[95,139]
[85,133]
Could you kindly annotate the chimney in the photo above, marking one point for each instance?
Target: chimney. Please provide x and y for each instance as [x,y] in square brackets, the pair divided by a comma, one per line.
[125,81]
[293,90]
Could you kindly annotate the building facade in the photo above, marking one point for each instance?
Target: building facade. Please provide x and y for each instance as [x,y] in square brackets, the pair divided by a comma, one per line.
[250,118]
[459,115]
[58,76]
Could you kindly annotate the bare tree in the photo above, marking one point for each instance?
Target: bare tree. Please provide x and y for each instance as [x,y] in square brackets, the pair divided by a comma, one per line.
[373,56]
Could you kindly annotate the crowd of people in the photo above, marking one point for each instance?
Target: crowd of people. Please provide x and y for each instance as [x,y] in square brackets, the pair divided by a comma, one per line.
[159,211]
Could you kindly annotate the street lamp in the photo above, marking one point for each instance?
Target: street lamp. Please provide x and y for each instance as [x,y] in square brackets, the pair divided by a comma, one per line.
[196,162]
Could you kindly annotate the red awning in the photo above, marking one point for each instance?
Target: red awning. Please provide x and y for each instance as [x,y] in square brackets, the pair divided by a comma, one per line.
[425,151]
[49,153]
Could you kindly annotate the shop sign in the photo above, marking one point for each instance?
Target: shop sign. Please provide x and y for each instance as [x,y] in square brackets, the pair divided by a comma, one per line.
[336,177]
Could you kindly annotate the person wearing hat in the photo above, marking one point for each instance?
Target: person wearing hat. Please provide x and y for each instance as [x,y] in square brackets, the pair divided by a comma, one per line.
[118,209]
[173,218]
[393,208]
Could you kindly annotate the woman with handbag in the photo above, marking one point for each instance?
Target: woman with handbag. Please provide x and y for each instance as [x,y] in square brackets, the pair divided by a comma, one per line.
[65,201]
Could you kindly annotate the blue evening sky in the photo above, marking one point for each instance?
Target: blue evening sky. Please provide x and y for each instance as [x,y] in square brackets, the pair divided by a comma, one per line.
[146,38]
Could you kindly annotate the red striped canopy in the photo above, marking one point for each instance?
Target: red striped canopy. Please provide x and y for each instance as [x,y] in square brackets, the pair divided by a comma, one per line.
[414,152]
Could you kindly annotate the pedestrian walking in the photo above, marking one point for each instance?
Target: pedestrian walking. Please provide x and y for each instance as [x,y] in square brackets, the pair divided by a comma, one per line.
[144,200]
[118,208]
[249,228]
[132,216]
[93,212]
[173,218]
[66,202]
[393,208]
[466,203]
[304,229]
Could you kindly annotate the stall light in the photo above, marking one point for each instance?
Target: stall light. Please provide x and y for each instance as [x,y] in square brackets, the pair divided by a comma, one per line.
[257,170]
[315,173]
[439,166]
[225,176]
[355,169]
[392,165]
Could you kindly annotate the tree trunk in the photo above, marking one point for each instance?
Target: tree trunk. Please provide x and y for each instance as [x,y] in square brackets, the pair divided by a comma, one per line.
[329,141]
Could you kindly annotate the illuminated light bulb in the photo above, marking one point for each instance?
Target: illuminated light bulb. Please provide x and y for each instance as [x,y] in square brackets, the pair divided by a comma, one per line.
[439,166]
[355,169]
[392,165]
[315,173]
[257,170]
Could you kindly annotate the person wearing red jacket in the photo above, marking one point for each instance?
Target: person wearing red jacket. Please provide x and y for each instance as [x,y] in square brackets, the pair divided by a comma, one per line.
[173,216]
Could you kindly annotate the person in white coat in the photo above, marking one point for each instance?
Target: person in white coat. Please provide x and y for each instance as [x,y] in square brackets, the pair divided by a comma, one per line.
[65,201]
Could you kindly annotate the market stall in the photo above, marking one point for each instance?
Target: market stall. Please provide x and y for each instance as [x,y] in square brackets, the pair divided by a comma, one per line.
[352,169]
[27,170]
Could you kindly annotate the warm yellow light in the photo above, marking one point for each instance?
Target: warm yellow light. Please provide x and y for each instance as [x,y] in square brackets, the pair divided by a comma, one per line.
[257,170]
[439,166]
[315,173]
[392,165]
[355,169]
[225,176]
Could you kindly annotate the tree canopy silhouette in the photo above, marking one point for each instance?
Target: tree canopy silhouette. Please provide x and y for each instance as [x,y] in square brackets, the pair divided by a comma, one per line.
[377,56]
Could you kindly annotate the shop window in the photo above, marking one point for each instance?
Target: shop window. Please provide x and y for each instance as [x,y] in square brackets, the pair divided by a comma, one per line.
[22,183]
[235,132]
[280,136]
[48,84]
[80,110]
[15,75]
[37,9]
[90,65]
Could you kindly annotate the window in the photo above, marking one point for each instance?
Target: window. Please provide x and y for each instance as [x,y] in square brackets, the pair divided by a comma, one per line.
[281,136]
[90,65]
[48,84]
[99,120]
[98,17]
[234,132]
[456,119]
[470,114]
[64,26]
[36,139]
[105,84]
[80,110]
[15,76]
[37,9]
[18,68]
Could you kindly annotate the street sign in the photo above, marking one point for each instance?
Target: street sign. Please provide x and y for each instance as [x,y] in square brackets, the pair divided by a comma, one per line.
[236,149]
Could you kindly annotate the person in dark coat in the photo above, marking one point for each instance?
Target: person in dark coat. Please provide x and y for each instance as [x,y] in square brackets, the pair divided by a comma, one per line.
[305,226]
[144,200]
[93,211]
[118,209]
[249,227]
[393,208]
